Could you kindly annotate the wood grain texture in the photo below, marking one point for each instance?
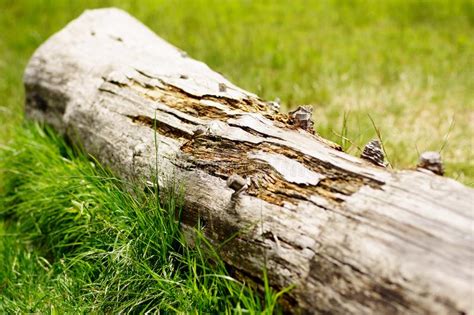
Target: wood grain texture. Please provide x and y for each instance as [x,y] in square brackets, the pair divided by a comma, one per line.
[351,237]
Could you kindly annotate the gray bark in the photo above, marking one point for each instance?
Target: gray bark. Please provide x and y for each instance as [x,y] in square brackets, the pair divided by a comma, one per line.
[352,237]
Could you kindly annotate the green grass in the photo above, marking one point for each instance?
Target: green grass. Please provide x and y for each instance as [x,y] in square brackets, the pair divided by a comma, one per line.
[74,239]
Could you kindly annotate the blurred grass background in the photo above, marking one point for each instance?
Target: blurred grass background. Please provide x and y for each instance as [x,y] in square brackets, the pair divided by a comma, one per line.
[406,63]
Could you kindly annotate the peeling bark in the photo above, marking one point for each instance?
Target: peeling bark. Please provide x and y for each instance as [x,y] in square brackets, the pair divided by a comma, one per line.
[352,237]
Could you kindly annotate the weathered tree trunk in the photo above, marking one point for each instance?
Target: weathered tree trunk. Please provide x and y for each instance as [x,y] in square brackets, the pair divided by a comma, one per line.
[352,237]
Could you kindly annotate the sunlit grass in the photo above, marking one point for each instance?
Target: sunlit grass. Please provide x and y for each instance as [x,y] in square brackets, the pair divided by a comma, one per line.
[75,238]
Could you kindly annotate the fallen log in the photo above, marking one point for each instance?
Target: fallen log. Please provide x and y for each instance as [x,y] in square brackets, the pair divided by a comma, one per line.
[351,236]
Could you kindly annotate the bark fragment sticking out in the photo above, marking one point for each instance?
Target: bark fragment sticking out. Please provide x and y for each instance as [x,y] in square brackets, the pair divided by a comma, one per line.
[275,105]
[373,153]
[431,161]
[302,117]
[199,131]
[222,87]
[237,183]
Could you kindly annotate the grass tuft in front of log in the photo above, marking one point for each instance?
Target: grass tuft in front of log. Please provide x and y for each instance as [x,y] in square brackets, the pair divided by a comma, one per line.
[77,239]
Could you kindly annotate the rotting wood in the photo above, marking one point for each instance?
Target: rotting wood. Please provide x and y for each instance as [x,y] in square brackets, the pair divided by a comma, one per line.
[352,237]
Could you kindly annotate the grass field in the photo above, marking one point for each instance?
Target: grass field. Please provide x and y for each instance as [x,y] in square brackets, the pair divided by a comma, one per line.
[406,64]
